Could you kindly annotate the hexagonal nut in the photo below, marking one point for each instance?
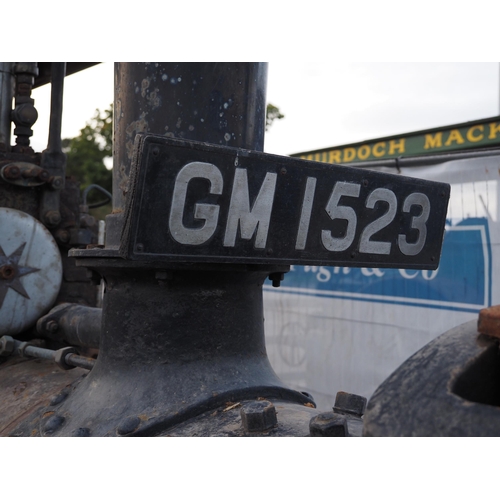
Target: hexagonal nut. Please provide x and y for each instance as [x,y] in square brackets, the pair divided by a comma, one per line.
[52,218]
[353,404]
[7,345]
[258,416]
[60,357]
[328,425]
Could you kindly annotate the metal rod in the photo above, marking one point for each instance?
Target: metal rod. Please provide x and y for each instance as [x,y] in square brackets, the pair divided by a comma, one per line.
[56,107]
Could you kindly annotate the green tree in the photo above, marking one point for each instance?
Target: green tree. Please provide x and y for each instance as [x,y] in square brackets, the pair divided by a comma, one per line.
[86,154]
[272,113]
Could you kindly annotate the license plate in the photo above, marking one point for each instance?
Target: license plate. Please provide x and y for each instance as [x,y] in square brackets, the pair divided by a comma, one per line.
[196,202]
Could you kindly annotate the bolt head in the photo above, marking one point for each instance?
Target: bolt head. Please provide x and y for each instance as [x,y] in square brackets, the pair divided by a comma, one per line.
[57,183]
[12,172]
[60,357]
[353,404]
[7,345]
[52,217]
[328,425]
[258,416]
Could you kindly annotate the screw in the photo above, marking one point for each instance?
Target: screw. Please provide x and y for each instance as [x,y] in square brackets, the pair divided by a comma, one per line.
[139,247]
[156,151]
[283,171]
[258,416]
[328,425]
[353,404]
[277,278]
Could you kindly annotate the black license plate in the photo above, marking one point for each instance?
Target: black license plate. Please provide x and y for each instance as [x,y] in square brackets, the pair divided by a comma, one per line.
[196,202]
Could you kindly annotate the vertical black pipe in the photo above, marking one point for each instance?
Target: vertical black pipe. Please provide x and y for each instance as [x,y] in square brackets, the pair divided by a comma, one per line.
[6,96]
[218,103]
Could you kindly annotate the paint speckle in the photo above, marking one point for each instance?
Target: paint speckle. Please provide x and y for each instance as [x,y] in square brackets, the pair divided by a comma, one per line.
[164,77]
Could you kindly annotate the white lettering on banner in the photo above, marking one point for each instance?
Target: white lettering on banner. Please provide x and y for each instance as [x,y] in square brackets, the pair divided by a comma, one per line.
[204,211]
[240,213]
[407,275]
[371,271]
[324,274]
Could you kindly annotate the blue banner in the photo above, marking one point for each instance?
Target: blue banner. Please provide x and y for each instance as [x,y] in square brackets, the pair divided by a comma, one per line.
[462,282]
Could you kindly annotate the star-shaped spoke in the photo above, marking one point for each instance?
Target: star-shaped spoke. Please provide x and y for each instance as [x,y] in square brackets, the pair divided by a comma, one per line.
[10,272]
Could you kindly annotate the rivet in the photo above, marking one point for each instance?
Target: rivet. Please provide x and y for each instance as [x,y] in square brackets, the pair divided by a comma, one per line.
[53,423]
[81,432]
[128,425]
[59,398]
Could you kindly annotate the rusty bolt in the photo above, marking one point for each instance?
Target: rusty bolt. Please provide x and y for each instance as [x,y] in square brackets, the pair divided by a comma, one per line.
[11,172]
[353,404]
[43,175]
[52,217]
[258,416]
[328,425]
[489,321]
[63,236]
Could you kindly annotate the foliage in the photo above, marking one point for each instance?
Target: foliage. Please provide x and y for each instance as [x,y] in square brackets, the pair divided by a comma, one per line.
[272,113]
[86,153]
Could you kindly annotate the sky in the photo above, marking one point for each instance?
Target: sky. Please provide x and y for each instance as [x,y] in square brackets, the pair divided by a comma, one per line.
[325,103]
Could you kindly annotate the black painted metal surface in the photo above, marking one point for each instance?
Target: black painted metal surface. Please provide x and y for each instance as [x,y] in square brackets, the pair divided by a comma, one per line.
[448,388]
